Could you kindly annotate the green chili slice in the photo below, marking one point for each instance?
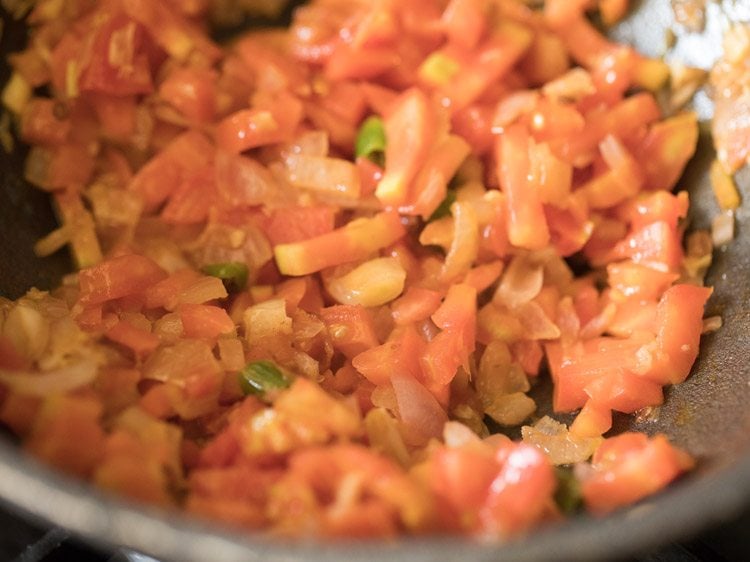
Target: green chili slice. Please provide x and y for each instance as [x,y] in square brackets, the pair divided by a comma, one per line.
[234,274]
[568,494]
[260,377]
[371,140]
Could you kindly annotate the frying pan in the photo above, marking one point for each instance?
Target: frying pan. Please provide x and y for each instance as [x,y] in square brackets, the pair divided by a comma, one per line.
[708,414]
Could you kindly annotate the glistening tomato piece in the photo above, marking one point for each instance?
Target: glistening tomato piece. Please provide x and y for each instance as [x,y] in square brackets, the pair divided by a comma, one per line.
[118,277]
[409,128]
[679,317]
[527,225]
[630,467]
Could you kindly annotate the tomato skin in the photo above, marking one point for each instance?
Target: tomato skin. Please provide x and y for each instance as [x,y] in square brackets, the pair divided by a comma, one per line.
[118,277]
[629,467]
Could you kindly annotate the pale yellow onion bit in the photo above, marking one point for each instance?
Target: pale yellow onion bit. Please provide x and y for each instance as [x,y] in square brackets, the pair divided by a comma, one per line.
[64,379]
[372,283]
[465,246]
[522,281]
[554,439]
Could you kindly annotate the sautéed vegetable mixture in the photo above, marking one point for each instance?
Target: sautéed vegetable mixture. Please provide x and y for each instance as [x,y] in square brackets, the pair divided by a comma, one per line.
[316,266]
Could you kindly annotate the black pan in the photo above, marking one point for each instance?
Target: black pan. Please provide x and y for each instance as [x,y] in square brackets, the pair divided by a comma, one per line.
[708,414]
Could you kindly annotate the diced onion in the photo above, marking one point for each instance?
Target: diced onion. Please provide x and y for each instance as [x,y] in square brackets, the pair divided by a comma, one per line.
[372,283]
[58,381]
[521,282]
[722,228]
[266,319]
[553,438]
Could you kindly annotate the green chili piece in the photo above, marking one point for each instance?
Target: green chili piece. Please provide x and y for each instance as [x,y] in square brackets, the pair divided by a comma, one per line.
[444,209]
[371,140]
[568,494]
[260,377]
[234,274]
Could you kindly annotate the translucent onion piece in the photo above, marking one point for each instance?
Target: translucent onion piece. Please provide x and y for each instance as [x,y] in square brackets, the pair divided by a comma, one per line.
[327,175]
[456,435]
[521,282]
[203,290]
[536,324]
[311,143]
[383,435]
[554,439]
[571,86]
[722,228]
[58,381]
[177,363]
[511,409]
[27,329]
[372,283]
[266,319]
[465,246]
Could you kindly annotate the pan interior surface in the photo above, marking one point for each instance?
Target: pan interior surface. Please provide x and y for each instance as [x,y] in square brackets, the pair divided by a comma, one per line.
[707,414]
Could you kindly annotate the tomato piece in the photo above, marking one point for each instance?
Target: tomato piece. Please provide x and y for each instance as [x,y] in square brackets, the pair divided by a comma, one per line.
[415,305]
[355,241]
[593,420]
[461,478]
[465,22]
[204,321]
[656,245]
[140,341]
[192,200]
[270,120]
[351,328]
[400,353]
[166,171]
[42,123]
[520,493]
[667,148]
[494,59]
[634,280]
[629,467]
[430,186]
[192,92]
[118,277]
[624,392]
[679,317]
[295,224]
[474,124]
[657,206]
[409,129]
[527,225]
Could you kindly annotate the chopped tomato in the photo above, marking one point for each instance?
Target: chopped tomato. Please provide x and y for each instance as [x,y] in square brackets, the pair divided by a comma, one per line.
[118,277]
[630,467]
